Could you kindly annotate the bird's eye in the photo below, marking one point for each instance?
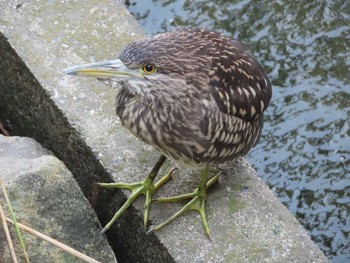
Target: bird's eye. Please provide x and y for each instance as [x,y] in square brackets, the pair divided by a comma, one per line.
[149,69]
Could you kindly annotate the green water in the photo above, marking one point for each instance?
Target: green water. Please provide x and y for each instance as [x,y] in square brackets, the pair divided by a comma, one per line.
[304,154]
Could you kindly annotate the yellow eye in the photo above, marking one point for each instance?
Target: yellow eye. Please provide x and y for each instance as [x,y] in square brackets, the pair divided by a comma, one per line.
[149,69]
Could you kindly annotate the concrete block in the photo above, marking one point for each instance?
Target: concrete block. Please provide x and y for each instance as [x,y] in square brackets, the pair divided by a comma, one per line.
[45,197]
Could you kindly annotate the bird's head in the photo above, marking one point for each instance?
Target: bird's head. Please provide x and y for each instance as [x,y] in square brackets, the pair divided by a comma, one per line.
[170,60]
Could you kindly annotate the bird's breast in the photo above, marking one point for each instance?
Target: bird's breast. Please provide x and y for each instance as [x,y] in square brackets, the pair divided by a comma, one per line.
[173,128]
[190,131]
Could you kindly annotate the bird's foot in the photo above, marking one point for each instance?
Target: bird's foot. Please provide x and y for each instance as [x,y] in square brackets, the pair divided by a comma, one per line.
[182,197]
[197,203]
[146,187]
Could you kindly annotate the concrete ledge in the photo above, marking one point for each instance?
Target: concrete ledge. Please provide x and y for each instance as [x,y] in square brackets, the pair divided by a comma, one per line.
[74,118]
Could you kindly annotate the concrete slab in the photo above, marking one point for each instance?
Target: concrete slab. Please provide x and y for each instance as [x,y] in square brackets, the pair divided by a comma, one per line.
[74,117]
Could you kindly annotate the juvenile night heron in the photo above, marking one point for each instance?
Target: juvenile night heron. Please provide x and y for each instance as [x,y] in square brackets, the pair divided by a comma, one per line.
[197,96]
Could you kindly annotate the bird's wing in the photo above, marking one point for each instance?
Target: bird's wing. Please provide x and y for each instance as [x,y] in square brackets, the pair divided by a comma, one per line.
[238,83]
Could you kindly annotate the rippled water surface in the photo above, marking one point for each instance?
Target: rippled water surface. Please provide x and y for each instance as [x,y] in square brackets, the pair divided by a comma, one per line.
[304,155]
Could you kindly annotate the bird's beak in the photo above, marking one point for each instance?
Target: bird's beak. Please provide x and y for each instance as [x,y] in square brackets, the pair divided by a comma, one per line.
[104,70]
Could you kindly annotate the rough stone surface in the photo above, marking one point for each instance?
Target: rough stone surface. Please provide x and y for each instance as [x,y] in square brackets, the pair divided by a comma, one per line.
[46,198]
[74,118]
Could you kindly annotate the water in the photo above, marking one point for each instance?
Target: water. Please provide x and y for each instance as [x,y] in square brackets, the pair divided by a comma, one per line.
[304,155]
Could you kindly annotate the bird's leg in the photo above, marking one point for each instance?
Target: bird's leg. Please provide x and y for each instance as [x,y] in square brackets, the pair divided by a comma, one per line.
[197,203]
[146,187]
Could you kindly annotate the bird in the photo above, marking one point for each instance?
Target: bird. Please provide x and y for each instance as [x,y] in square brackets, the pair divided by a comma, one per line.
[197,96]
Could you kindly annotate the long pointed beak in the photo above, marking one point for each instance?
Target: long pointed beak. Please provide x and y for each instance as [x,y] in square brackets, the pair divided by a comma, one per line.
[103,69]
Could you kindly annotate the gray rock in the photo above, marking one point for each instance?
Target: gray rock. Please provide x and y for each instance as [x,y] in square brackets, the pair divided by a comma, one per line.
[46,198]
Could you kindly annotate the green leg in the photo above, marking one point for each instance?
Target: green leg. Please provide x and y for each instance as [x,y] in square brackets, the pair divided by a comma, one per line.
[145,187]
[197,203]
